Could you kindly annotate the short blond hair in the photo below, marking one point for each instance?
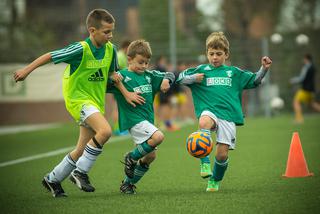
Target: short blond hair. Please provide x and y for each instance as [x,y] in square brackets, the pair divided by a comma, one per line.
[95,17]
[217,40]
[139,47]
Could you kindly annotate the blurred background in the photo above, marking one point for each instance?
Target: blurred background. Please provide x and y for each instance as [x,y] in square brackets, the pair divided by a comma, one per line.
[176,29]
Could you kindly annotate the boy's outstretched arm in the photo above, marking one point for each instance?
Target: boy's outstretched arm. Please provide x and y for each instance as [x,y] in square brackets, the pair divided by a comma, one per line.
[265,65]
[189,78]
[167,81]
[266,62]
[21,74]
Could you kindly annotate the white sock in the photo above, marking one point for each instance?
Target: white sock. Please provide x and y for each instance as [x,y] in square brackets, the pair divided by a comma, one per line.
[88,158]
[62,170]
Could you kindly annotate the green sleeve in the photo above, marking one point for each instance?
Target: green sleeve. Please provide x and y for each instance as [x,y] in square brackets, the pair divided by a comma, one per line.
[72,54]
[246,79]
[184,74]
[156,79]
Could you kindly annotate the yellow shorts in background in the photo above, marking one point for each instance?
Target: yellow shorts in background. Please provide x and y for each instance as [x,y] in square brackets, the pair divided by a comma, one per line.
[156,100]
[304,96]
[182,98]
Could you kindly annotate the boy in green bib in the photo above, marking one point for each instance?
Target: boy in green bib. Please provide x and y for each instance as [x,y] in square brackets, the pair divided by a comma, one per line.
[140,120]
[91,63]
[217,91]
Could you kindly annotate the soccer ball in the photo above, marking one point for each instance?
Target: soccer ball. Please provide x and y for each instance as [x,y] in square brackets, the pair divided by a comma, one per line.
[277,103]
[199,144]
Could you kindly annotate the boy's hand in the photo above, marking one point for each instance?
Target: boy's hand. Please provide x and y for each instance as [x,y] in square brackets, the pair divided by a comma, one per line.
[165,86]
[266,62]
[133,97]
[116,77]
[20,75]
[199,77]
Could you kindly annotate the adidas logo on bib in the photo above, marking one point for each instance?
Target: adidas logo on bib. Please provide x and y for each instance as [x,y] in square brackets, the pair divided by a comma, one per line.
[97,76]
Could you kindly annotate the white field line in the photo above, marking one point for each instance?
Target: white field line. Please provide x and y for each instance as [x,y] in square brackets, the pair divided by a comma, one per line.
[26,128]
[53,153]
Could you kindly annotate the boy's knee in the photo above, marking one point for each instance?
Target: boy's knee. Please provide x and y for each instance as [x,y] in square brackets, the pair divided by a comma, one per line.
[206,122]
[157,137]
[103,134]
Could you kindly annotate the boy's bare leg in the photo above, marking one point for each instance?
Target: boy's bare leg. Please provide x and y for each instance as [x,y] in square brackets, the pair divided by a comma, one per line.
[297,111]
[53,180]
[315,105]
[85,135]
[206,123]
[92,150]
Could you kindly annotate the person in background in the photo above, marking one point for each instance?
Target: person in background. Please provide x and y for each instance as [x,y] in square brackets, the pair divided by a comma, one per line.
[306,94]
[165,102]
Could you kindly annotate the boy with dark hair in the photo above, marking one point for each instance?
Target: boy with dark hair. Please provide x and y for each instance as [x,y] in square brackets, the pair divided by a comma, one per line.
[84,85]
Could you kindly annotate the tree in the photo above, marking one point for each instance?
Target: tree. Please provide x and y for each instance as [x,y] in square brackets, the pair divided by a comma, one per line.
[246,20]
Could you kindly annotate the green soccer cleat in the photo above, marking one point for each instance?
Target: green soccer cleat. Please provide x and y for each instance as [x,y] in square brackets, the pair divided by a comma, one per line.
[205,170]
[213,186]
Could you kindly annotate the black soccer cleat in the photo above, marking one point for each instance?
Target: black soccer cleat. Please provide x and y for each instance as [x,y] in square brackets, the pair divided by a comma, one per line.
[54,187]
[129,165]
[127,188]
[81,180]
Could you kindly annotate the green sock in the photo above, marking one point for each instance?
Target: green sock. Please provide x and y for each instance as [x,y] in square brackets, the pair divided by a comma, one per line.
[127,180]
[219,169]
[206,131]
[139,172]
[205,160]
[141,150]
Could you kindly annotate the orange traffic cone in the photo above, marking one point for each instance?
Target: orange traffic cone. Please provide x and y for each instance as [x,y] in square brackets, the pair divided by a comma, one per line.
[296,164]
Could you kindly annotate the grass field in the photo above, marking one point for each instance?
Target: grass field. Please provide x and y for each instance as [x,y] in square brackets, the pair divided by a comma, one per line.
[252,184]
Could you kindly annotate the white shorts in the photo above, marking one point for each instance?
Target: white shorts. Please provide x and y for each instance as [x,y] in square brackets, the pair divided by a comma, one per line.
[142,131]
[225,130]
[86,111]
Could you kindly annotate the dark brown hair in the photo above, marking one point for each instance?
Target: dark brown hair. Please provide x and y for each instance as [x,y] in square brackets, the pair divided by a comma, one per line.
[95,17]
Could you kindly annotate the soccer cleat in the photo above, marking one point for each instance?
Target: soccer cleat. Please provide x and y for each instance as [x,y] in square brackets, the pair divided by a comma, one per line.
[54,187]
[213,186]
[129,165]
[81,180]
[127,188]
[205,170]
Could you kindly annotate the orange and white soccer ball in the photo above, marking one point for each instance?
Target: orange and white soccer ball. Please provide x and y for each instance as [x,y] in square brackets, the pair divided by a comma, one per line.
[199,144]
